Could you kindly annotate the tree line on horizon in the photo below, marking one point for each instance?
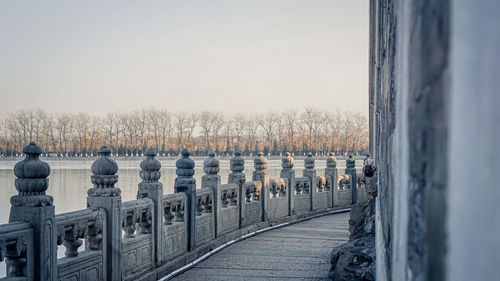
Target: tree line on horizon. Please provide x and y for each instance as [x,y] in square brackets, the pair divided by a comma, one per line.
[131,133]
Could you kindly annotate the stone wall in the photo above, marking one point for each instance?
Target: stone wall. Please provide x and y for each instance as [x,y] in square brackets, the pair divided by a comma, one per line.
[430,75]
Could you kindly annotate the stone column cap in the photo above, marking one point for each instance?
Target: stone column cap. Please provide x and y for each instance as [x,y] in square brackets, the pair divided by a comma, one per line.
[237,163]
[309,161]
[211,165]
[287,161]
[260,162]
[331,160]
[32,179]
[185,165]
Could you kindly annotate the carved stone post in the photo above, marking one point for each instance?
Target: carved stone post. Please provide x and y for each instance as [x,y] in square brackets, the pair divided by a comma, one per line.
[105,195]
[238,177]
[351,170]
[310,172]
[261,174]
[150,187]
[332,174]
[287,172]
[187,184]
[211,179]
[34,206]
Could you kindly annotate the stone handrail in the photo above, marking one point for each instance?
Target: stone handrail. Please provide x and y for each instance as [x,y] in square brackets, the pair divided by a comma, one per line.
[252,190]
[229,195]
[173,208]
[72,228]
[137,217]
[278,188]
[147,238]
[16,246]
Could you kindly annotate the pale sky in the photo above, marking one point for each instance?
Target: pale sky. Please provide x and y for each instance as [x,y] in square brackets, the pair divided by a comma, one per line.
[232,56]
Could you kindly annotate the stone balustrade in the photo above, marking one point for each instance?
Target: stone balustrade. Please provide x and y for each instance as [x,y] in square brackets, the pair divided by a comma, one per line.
[147,238]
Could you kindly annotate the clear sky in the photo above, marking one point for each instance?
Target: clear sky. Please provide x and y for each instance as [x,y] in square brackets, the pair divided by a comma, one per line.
[232,55]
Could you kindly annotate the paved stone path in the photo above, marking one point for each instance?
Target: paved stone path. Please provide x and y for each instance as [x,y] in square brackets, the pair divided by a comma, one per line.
[297,252]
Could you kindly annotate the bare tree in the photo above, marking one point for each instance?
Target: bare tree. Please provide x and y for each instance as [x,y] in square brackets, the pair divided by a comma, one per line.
[290,120]
[94,132]
[143,128]
[130,133]
[63,126]
[191,123]
[110,127]
[239,125]
[347,130]
[207,120]
[311,118]
[228,134]
[180,121]
[216,128]
[360,130]
[154,120]
[267,123]
[166,128]
[81,126]
[335,121]
[251,132]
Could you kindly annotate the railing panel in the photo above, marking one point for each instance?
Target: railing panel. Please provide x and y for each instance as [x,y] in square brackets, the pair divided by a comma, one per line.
[174,229]
[253,206]
[343,194]
[137,249]
[323,193]
[205,216]
[302,201]
[229,215]
[278,205]
[72,228]
[16,248]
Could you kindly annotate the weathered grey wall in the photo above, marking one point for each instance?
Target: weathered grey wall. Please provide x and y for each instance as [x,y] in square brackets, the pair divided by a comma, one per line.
[474,217]
[433,109]
[382,120]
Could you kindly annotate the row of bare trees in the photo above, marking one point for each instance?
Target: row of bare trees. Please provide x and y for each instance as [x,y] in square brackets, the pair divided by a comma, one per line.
[130,133]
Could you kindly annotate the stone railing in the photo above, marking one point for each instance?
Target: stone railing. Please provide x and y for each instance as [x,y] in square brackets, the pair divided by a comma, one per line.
[72,228]
[17,248]
[147,238]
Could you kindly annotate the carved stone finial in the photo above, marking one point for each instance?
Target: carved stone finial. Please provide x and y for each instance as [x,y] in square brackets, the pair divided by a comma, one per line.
[32,181]
[150,171]
[237,163]
[104,176]
[287,161]
[309,161]
[350,162]
[237,166]
[185,165]
[260,162]
[331,160]
[211,165]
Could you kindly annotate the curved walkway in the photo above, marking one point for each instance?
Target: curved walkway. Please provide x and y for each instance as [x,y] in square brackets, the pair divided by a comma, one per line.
[297,252]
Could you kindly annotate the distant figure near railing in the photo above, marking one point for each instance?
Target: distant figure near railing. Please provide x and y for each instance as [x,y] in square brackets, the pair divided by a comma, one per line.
[147,238]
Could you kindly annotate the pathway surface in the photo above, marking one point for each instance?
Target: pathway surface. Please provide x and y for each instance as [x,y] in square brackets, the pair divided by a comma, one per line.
[297,252]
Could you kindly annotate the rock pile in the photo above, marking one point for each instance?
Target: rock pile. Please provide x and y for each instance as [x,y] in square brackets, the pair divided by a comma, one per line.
[355,260]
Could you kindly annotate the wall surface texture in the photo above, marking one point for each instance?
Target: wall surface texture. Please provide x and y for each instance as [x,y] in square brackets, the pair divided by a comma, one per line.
[433,108]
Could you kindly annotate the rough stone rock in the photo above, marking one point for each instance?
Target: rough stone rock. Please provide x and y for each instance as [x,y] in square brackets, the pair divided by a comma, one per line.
[355,260]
